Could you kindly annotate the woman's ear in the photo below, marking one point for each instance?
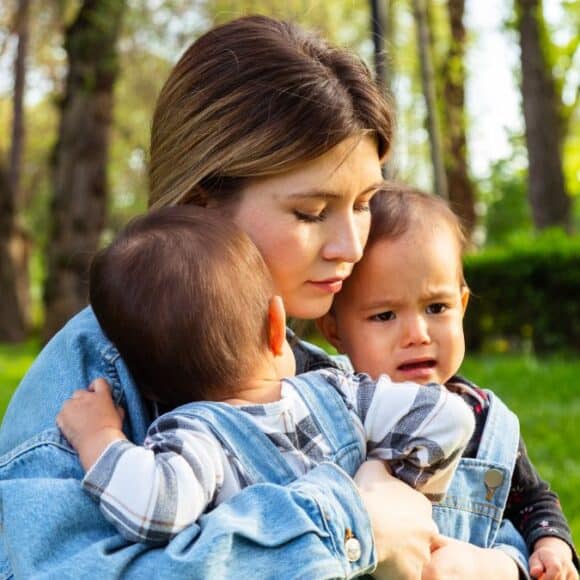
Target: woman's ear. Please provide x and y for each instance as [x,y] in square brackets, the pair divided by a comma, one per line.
[328,328]
[276,325]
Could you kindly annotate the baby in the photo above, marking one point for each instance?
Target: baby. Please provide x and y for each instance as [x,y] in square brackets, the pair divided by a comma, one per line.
[189,303]
[400,313]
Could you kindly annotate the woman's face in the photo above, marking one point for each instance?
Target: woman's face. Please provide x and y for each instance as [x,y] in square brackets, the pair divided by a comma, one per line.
[311,223]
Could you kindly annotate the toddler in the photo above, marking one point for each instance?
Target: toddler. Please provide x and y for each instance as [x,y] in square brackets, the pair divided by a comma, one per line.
[189,303]
[400,313]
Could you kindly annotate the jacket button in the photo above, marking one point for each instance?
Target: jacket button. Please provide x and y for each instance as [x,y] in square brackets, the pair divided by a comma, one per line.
[353,550]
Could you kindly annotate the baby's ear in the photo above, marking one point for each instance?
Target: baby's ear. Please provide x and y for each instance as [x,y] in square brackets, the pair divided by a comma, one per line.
[328,328]
[276,325]
[464,297]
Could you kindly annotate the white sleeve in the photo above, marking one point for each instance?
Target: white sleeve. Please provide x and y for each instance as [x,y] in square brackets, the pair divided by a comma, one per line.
[151,493]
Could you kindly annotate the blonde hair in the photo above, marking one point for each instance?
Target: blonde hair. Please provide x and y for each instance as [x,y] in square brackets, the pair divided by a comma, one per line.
[255,97]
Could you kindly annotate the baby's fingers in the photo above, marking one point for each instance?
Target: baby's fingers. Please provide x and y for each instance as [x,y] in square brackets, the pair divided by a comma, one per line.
[536,565]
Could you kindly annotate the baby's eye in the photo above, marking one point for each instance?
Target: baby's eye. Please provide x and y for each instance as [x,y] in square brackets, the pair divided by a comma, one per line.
[383,316]
[362,207]
[310,217]
[437,308]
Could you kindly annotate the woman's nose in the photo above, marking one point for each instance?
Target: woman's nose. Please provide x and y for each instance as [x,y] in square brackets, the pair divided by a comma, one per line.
[346,240]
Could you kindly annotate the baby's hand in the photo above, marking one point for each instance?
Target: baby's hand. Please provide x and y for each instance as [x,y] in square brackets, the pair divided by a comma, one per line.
[552,559]
[90,421]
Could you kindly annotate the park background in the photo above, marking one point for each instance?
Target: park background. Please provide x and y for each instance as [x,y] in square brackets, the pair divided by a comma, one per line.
[486,95]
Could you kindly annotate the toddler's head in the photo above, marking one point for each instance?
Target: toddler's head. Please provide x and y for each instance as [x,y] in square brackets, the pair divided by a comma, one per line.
[401,310]
[185,297]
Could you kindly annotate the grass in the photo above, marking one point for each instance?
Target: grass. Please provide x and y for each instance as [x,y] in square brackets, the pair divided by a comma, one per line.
[14,361]
[543,392]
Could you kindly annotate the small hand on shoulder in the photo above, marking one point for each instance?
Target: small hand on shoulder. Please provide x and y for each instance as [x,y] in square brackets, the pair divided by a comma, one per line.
[90,420]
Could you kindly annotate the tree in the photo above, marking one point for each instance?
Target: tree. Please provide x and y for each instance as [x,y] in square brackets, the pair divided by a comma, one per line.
[459,184]
[550,202]
[14,319]
[80,157]
[428,83]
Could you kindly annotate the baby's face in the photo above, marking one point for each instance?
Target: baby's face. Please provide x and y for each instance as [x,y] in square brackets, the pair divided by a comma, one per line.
[401,311]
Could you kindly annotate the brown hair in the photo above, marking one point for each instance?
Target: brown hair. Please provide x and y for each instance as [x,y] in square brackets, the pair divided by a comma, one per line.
[255,97]
[184,295]
[397,207]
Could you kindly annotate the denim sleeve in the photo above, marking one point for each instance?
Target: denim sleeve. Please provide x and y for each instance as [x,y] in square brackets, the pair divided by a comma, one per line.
[52,529]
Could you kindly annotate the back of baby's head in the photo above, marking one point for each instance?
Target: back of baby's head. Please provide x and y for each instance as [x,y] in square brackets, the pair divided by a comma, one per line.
[398,209]
[184,295]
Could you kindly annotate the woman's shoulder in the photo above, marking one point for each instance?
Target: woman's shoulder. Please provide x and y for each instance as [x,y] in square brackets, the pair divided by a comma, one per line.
[71,360]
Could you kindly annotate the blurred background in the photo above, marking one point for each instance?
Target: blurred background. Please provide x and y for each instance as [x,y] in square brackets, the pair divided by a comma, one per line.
[486,95]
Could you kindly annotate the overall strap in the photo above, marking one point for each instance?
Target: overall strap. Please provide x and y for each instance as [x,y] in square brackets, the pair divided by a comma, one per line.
[260,459]
[501,434]
[329,411]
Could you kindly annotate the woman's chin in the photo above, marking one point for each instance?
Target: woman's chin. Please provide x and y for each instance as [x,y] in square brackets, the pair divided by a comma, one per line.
[308,309]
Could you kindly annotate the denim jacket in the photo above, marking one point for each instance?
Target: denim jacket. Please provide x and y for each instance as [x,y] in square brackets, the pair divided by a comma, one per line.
[473,508]
[51,529]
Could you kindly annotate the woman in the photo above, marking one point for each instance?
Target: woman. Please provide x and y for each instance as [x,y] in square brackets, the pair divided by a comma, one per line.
[286,135]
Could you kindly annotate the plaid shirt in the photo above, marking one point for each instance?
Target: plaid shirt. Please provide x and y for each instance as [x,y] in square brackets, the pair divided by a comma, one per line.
[152,492]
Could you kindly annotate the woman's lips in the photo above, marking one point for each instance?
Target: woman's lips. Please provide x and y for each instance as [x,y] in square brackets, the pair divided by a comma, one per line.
[330,285]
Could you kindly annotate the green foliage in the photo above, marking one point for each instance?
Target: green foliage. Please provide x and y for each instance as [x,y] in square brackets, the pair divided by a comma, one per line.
[526,294]
[504,194]
[544,395]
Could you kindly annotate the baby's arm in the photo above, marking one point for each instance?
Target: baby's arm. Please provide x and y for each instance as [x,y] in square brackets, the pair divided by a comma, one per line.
[91,422]
[151,492]
[420,430]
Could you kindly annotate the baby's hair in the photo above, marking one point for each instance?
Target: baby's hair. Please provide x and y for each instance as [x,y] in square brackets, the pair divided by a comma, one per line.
[183,294]
[397,207]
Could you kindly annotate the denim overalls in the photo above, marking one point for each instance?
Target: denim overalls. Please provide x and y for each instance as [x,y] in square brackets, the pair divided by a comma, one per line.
[259,459]
[473,508]
[474,505]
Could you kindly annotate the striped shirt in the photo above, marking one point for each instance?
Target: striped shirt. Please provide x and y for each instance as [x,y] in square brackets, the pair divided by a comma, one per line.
[152,492]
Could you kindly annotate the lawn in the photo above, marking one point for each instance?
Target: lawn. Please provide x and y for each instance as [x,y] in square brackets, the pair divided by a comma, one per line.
[544,393]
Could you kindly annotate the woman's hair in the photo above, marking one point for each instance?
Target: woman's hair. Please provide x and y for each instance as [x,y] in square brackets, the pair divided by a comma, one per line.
[397,207]
[183,294]
[255,97]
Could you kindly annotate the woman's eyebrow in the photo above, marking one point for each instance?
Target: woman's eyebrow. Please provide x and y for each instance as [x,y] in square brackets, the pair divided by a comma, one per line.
[326,194]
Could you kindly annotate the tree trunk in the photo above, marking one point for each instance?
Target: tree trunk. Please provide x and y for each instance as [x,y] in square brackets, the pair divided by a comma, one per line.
[80,157]
[13,322]
[14,244]
[378,32]
[428,83]
[546,186]
[18,129]
[460,187]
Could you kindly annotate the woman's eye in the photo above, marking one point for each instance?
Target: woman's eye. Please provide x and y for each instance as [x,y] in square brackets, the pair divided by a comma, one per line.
[383,316]
[437,308]
[310,217]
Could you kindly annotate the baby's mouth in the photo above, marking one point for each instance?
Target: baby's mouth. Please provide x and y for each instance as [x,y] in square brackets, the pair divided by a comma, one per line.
[415,365]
